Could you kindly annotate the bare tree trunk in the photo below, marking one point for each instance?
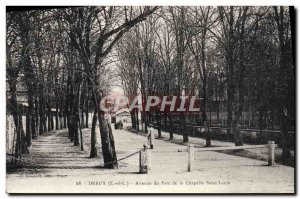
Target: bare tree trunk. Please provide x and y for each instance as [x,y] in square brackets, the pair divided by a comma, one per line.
[65,121]
[286,153]
[36,115]
[75,129]
[20,146]
[93,152]
[183,127]
[56,118]
[42,127]
[107,143]
[75,119]
[132,115]
[237,132]
[49,117]
[28,129]
[170,126]
[80,112]
[87,113]
[107,140]
[284,62]
[61,118]
[29,76]
[137,120]
[158,124]
[146,122]
[230,74]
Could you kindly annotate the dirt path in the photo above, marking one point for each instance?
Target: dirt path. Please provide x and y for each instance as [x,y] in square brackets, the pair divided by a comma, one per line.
[57,152]
[62,167]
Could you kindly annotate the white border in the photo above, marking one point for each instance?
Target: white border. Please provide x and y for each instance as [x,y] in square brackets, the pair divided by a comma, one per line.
[111,2]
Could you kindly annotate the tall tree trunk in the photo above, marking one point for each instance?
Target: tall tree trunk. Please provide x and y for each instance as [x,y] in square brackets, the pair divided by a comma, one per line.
[65,120]
[29,75]
[239,101]
[28,129]
[137,120]
[61,118]
[132,115]
[87,114]
[20,146]
[75,119]
[21,142]
[49,117]
[170,126]
[146,121]
[237,132]
[284,62]
[230,74]
[218,112]
[206,128]
[80,113]
[204,72]
[32,119]
[158,124]
[286,153]
[93,152]
[42,126]
[75,126]
[183,127]
[51,120]
[36,115]
[107,141]
[56,118]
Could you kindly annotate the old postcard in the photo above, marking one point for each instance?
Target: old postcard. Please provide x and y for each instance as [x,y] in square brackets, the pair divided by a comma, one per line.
[150,99]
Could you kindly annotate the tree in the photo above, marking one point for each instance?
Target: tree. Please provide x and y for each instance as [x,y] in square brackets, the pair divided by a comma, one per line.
[203,19]
[13,72]
[83,24]
[286,77]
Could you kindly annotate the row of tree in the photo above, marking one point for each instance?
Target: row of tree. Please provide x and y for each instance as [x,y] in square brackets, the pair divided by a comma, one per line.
[241,56]
[61,57]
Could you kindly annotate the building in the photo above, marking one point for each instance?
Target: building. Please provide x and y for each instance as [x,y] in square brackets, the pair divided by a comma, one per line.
[123,115]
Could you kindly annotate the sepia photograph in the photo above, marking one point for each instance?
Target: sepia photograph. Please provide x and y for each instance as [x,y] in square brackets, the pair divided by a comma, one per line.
[150,99]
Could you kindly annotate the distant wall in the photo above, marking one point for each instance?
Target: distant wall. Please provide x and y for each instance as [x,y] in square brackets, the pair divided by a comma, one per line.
[10,129]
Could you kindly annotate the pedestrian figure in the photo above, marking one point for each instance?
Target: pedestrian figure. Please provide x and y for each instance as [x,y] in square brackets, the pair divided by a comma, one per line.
[150,140]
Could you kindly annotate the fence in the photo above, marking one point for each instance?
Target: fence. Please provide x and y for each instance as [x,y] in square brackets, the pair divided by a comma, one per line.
[145,154]
[252,136]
